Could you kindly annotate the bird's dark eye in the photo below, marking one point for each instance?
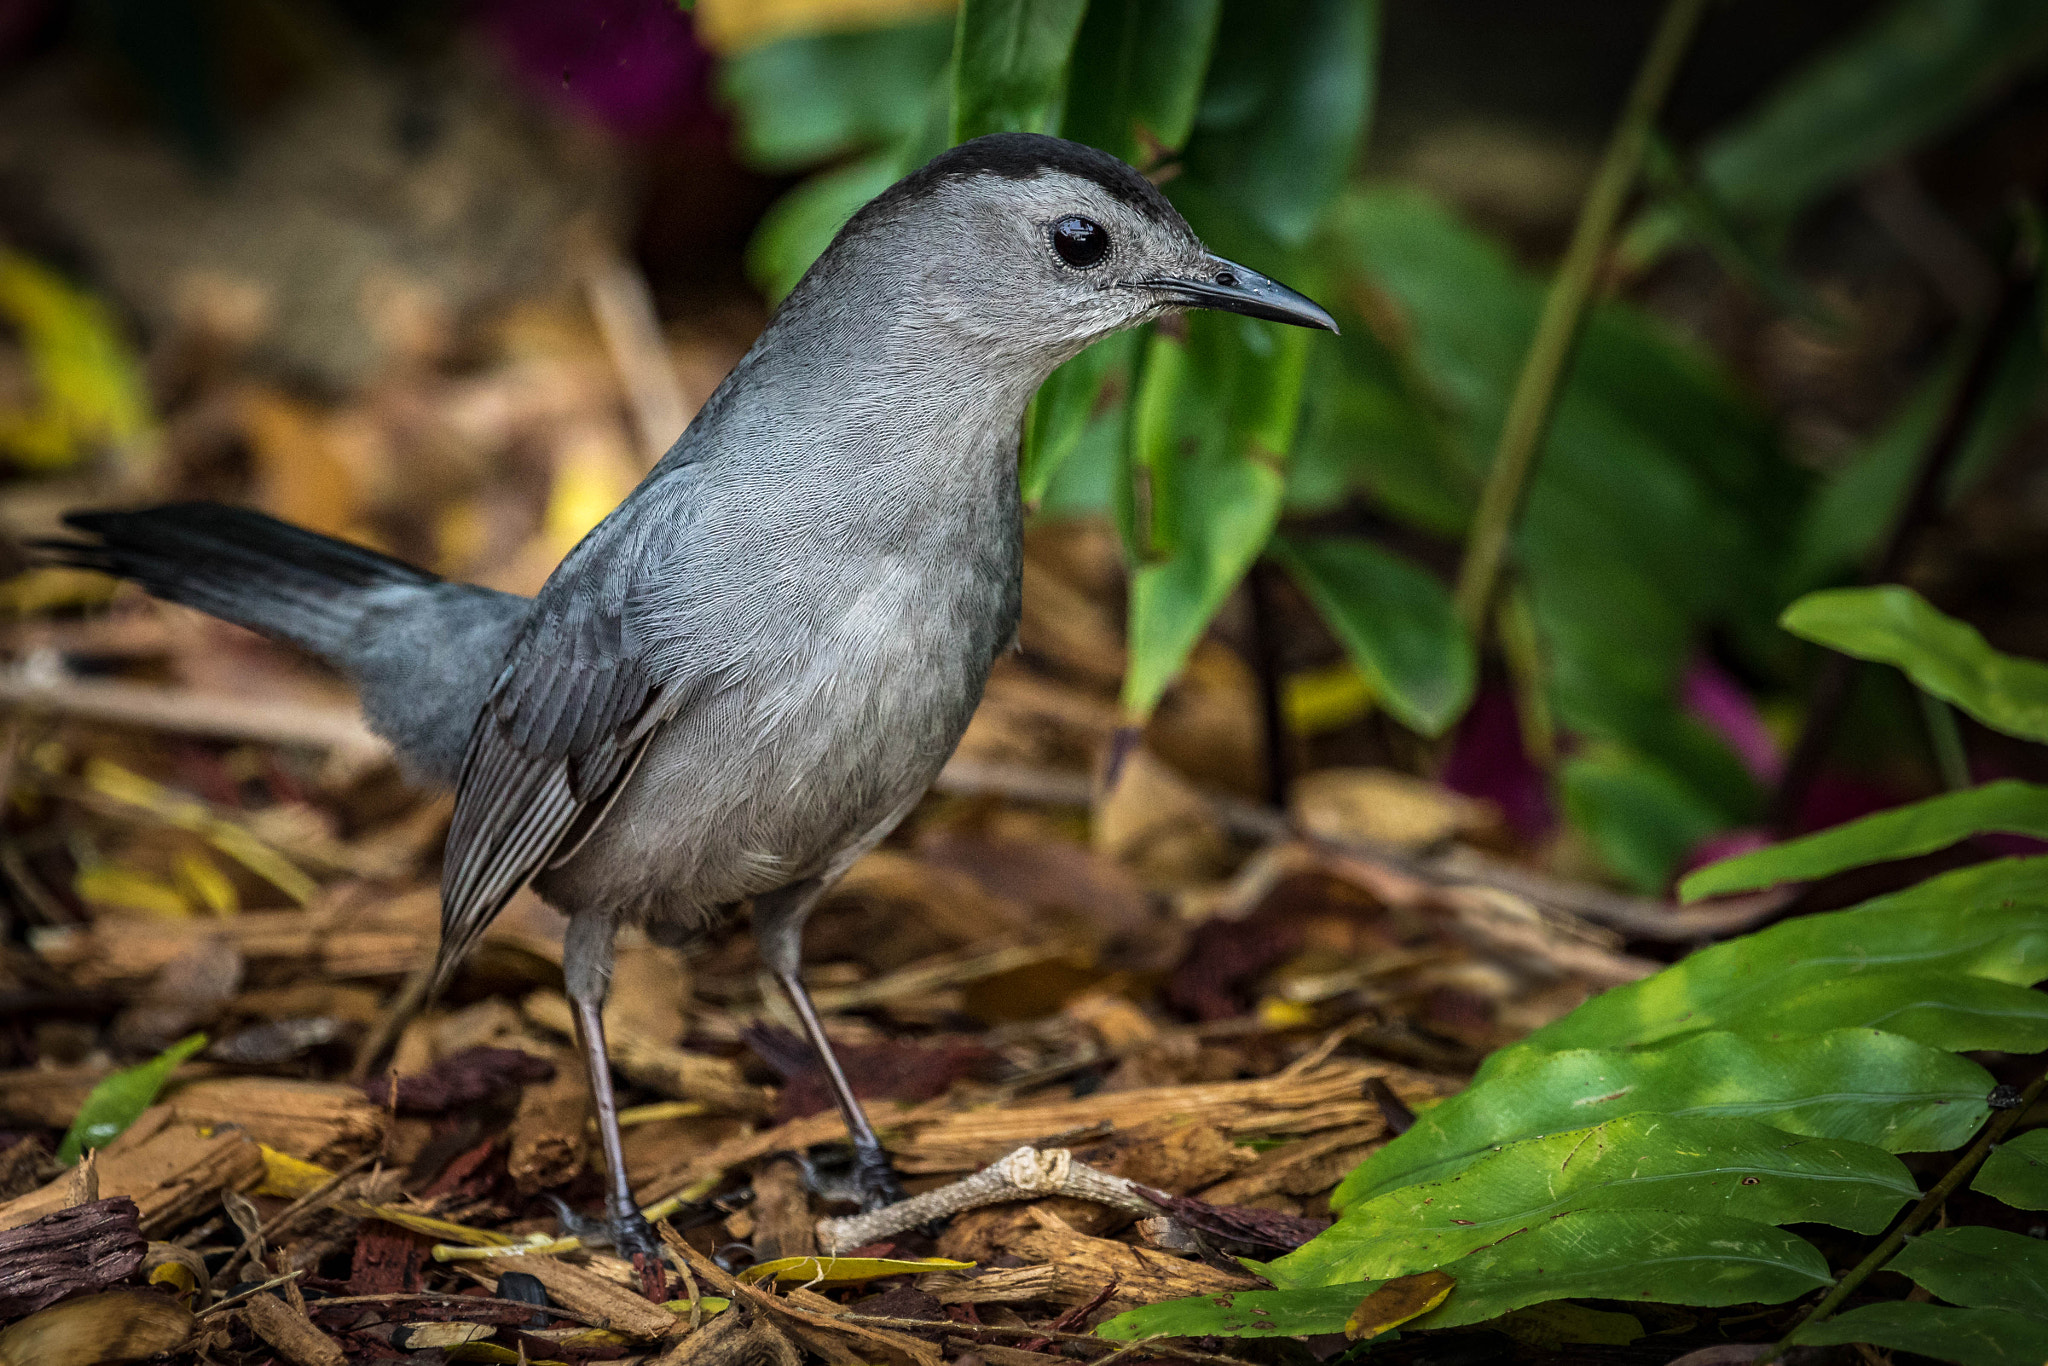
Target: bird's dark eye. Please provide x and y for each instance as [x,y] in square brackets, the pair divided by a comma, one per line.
[1080,242]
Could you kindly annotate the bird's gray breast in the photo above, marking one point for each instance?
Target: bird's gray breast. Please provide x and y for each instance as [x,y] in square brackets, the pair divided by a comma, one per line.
[838,633]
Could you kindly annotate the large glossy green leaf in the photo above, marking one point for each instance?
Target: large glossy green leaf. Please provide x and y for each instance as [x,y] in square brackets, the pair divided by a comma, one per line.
[1972,1337]
[1137,75]
[801,101]
[1646,1255]
[1950,1010]
[1242,1314]
[1903,832]
[1988,921]
[2017,1171]
[1914,70]
[1979,1268]
[1280,121]
[1722,1166]
[1010,65]
[1859,1084]
[1943,656]
[119,1100]
[1395,620]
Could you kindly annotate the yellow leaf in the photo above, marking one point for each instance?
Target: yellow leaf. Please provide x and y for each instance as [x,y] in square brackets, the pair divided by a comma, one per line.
[124,889]
[1396,1302]
[430,1226]
[836,1270]
[710,1304]
[592,476]
[89,390]
[725,26]
[287,1178]
[175,808]
[208,885]
[1275,1013]
[1322,700]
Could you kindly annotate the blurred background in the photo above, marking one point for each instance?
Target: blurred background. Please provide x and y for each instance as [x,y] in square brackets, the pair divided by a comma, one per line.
[446,278]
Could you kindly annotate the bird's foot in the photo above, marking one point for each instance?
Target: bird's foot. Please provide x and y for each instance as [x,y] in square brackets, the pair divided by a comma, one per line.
[875,1182]
[625,1231]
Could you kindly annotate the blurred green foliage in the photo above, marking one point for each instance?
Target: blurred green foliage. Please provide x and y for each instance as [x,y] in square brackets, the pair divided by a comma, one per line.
[1665,512]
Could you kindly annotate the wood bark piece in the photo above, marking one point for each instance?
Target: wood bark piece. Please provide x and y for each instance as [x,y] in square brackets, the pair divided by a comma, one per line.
[172,1171]
[605,1304]
[657,1065]
[322,1122]
[741,1336]
[290,1332]
[1083,1265]
[1023,1175]
[74,1251]
[1325,1095]
[782,1213]
[1307,1166]
[550,1134]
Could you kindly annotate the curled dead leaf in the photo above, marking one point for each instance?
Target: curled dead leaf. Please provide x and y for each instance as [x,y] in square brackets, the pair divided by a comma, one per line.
[1396,1302]
[116,1325]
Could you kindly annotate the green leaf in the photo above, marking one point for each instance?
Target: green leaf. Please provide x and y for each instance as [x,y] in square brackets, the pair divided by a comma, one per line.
[1397,622]
[1944,657]
[1060,413]
[1137,74]
[1950,1010]
[1988,921]
[1641,819]
[1242,1313]
[117,1101]
[801,224]
[1979,1268]
[1974,1337]
[1010,65]
[1211,427]
[1648,1255]
[1721,1166]
[804,100]
[1281,119]
[2017,1171]
[1858,1084]
[1911,72]
[1903,832]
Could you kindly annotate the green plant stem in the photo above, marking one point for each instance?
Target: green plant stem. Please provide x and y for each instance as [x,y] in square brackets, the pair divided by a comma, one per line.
[1930,1204]
[1945,738]
[1564,309]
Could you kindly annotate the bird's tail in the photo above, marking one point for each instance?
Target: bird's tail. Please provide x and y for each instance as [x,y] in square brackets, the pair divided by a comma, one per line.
[286,582]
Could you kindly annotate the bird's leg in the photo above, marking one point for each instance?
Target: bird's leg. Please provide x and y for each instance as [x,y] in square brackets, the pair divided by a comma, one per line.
[778,929]
[873,1177]
[631,1235]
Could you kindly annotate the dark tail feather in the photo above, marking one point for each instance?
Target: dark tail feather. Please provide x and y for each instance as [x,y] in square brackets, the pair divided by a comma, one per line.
[287,582]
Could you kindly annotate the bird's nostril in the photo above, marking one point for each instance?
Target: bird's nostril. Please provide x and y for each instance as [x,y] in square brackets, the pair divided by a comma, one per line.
[1226,279]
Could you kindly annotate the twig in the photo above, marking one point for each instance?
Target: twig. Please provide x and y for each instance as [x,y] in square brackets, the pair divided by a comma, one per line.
[289,1215]
[1930,1204]
[1025,1174]
[1564,309]
[241,1295]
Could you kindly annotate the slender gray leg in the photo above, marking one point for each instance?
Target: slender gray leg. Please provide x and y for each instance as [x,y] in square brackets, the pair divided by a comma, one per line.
[778,927]
[586,970]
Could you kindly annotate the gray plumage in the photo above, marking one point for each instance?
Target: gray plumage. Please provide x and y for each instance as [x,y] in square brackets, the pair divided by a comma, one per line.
[748,672]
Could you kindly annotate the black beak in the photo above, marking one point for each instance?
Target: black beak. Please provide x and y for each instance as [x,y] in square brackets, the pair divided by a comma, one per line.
[1230,287]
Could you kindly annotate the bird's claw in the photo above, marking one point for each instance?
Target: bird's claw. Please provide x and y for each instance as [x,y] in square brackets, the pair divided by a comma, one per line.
[627,1232]
[874,1179]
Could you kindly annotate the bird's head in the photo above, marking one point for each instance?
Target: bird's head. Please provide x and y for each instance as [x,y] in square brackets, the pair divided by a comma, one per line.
[1031,247]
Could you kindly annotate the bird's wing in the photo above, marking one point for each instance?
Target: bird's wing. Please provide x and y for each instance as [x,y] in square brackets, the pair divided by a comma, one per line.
[566,722]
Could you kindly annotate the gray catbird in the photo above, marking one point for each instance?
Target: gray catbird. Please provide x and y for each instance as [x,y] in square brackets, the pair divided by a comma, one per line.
[746,675]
